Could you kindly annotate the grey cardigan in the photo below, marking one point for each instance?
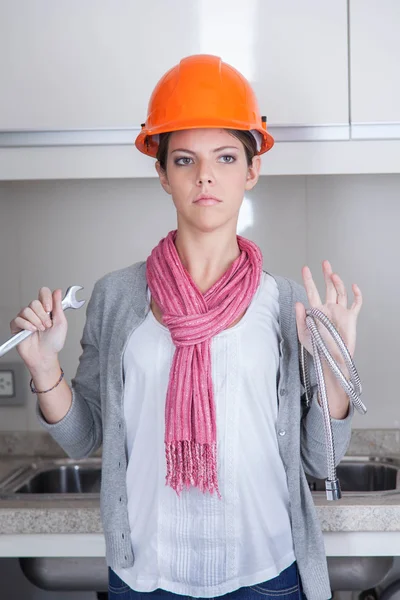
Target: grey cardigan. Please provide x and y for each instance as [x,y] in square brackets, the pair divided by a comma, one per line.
[118,305]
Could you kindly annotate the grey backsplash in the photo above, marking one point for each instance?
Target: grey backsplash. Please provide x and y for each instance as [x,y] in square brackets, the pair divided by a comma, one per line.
[30,443]
[61,233]
[364,442]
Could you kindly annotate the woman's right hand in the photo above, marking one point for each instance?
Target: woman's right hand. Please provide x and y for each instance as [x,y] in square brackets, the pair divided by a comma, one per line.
[39,351]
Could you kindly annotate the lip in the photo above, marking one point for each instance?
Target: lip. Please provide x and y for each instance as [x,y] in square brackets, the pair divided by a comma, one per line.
[207,200]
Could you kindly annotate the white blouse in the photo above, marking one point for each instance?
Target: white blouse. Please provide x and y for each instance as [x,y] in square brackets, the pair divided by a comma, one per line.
[196,544]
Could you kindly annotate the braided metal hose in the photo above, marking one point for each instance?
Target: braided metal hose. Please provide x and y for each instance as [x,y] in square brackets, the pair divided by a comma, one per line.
[351,386]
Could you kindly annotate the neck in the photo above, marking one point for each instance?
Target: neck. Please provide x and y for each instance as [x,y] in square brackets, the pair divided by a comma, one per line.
[206,256]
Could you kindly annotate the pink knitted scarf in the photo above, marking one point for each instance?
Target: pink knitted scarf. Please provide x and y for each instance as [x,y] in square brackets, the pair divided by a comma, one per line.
[193,319]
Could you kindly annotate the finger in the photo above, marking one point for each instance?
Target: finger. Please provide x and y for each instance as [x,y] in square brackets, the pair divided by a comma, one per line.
[27,314]
[358,299]
[19,324]
[340,290]
[331,294]
[311,289]
[39,310]
[58,312]
[46,298]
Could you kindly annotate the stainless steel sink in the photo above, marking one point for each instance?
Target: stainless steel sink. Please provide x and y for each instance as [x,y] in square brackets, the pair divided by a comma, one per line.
[60,477]
[81,574]
[64,479]
[363,474]
[82,478]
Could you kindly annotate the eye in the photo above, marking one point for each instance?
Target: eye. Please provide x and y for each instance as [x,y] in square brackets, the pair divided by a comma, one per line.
[227,159]
[183,160]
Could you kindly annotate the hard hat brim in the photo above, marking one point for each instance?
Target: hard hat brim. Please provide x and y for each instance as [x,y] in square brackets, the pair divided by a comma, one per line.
[146,144]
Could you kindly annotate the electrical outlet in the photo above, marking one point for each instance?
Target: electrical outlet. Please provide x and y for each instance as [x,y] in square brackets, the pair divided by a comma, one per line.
[7,384]
[13,384]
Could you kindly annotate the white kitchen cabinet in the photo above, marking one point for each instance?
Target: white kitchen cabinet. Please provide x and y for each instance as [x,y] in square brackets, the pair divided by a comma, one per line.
[76,78]
[82,65]
[375,71]
[301,76]
[92,65]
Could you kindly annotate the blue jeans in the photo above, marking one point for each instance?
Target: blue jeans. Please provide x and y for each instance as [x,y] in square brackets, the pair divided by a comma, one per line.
[286,586]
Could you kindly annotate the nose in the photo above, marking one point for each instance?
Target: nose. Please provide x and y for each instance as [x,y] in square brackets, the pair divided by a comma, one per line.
[205,174]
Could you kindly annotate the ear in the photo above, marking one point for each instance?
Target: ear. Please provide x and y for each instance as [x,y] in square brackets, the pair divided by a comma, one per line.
[253,173]
[163,178]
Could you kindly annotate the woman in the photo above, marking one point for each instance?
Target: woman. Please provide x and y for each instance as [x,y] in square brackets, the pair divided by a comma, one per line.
[189,374]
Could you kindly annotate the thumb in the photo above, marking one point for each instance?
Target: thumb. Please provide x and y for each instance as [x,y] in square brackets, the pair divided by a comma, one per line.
[57,312]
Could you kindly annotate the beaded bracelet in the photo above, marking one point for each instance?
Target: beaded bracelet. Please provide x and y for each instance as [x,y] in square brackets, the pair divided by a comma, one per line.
[35,391]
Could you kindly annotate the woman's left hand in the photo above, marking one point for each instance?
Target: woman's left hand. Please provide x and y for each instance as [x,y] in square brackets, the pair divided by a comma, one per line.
[335,308]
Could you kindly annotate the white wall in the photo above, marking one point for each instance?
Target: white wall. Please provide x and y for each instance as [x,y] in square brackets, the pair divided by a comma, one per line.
[61,233]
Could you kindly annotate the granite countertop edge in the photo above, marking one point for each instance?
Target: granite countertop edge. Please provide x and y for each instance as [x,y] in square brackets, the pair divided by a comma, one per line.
[83,517]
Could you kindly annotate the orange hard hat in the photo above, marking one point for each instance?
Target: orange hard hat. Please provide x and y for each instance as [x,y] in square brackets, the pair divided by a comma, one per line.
[202,92]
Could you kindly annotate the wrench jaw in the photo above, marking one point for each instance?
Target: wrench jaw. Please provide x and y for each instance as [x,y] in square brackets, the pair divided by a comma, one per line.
[70,300]
[79,304]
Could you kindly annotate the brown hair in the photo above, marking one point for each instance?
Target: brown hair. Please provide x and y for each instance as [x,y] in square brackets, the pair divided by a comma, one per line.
[247,139]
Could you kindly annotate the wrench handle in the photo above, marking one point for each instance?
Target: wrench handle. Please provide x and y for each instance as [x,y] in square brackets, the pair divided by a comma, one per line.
[14,341]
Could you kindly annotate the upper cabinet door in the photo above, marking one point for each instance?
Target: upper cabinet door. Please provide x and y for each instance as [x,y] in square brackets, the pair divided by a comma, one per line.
[75,64]
[301,61]
[93,64]
[375,71]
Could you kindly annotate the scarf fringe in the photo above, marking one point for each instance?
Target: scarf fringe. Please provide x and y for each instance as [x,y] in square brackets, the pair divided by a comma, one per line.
[192,464]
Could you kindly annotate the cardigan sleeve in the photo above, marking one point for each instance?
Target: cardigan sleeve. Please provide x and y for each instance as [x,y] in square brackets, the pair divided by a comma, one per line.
[79,432]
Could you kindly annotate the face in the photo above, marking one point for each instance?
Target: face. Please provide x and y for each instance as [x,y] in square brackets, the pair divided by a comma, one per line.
[207,175]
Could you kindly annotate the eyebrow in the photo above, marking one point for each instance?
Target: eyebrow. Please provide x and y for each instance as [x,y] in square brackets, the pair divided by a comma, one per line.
[216,149]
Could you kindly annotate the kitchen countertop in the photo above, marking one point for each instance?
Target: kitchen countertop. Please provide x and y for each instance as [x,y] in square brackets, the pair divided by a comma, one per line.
[369,524]
[367,512]
[83,516]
